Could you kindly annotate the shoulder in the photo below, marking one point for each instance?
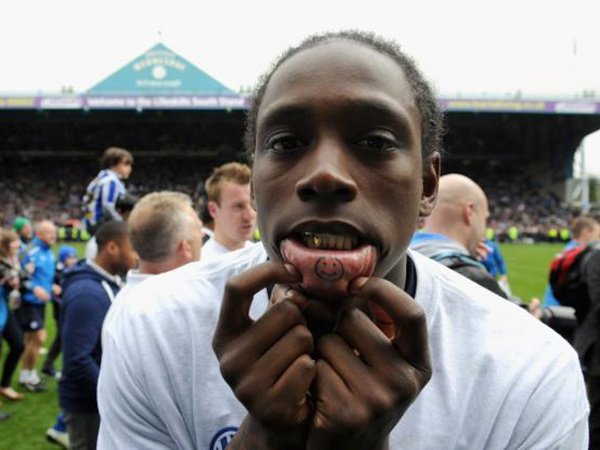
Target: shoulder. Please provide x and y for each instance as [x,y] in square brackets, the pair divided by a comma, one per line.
[196,287]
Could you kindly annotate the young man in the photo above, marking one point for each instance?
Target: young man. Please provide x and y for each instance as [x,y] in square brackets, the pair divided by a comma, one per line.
[41,263]
[89,289]
[230,205]
[584,230]
[367,345]
[103,191]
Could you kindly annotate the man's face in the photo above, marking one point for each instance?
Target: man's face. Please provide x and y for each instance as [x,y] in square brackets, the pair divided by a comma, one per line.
[235,217]
[123,169]
[26,233]
[47,233]
[338,151]
[196,234]
[480,220]
[125,258]
[590,234]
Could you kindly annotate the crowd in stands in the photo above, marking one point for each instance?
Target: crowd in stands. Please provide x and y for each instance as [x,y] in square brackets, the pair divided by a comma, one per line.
[54,189]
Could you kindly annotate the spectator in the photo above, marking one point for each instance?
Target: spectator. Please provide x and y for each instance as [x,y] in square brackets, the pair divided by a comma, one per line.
[171,216]
[67,257]
[454,231]
[494,263]
[31,314]
[584,230]
[124,205]
[10,296]
[587,340]
[345,133]
[89,288]
[230,205]
[103,191]
[22,227]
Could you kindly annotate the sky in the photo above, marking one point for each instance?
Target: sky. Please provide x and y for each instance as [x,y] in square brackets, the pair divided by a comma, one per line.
[535,48]
[538,49]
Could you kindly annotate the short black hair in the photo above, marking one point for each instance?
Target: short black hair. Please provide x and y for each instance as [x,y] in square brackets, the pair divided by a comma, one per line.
[432,118]
[113,230]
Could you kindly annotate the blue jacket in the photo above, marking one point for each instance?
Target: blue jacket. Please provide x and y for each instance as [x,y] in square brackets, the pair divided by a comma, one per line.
[42,257]
[494,262]
[87,295]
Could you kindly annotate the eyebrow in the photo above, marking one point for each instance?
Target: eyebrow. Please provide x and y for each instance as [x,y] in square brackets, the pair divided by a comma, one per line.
[378,107]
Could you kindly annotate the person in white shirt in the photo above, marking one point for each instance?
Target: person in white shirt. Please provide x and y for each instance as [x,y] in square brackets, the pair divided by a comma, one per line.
[166,232]
[230,206]
[367,345]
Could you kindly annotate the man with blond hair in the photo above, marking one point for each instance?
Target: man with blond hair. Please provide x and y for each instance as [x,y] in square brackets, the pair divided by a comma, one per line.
[230,205]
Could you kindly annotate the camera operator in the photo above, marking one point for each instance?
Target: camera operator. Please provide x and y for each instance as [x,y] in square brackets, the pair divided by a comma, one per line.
[13,279]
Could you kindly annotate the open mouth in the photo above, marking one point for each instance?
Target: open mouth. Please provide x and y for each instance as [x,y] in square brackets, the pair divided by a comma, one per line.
[329,261]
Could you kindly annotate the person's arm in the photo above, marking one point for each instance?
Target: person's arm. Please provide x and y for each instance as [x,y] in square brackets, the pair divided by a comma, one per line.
[81,327]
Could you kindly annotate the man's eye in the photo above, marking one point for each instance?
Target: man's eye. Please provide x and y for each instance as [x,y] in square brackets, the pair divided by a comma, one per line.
[283,144]
[377,142]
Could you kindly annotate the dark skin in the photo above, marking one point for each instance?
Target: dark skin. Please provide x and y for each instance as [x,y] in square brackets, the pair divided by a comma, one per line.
[338,145]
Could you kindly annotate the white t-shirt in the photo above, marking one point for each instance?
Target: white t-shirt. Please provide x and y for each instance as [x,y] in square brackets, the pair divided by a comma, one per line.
[212,249]
[501,379]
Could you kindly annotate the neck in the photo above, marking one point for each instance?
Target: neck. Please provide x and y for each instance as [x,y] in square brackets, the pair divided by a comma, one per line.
[450,232]
[154,268]
[103,262]
[228,243]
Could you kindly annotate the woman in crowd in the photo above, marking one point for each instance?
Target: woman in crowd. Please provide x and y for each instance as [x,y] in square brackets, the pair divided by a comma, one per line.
[10,282]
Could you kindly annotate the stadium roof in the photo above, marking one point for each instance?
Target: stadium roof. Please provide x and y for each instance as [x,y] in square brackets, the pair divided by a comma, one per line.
[159,71]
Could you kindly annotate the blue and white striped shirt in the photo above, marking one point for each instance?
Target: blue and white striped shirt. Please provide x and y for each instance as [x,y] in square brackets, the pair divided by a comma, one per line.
[101,197]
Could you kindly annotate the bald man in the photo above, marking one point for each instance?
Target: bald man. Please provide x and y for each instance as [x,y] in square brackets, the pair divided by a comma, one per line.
[455,230]
[40,262]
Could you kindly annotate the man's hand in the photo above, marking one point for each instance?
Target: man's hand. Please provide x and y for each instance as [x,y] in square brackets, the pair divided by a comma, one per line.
[366,381]
[267,362]
[56,290]
[41,294]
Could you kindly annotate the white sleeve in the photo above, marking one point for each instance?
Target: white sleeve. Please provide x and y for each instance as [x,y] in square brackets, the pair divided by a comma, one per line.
[127,418]
[556,413]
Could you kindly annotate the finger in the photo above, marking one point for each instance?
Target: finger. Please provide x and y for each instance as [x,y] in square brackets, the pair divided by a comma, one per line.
[240,290]
[278,352]
[411,337]
[293,386]
[333,399]
[342,358]
[361,334]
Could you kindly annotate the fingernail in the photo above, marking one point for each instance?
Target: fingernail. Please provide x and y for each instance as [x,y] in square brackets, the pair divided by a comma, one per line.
[357,284]
[292,271]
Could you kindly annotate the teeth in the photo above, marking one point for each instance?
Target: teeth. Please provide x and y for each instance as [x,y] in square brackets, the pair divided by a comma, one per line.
[329,241]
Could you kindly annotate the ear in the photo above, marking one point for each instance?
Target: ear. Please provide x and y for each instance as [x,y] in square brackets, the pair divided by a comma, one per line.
[212,208]
[112,248]
[186,249]
[468,213]
[431,177]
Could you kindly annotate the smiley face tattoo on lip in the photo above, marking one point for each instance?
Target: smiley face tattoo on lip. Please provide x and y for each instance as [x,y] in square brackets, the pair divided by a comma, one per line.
[326,273]
[329,268]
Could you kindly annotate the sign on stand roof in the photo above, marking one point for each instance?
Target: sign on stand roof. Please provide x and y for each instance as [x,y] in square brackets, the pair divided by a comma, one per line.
[160,71]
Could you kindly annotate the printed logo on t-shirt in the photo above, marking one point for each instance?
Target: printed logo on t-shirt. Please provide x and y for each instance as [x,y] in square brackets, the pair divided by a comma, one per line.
[222,438]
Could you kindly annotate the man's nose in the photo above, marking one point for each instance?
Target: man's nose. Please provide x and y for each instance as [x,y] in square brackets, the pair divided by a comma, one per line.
[327,175]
